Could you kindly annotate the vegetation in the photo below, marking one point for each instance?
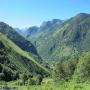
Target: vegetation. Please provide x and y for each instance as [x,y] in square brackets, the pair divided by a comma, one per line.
[68,46]
[54,86]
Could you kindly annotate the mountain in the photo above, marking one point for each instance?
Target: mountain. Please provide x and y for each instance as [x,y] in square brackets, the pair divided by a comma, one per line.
[47,25]
[66,40]
[18,56]
[34,31]
[31,32]
[34,34]
[41,34]
[18,39]
[72,37]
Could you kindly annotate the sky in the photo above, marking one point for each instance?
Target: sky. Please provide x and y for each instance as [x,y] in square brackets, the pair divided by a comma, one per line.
[26,13]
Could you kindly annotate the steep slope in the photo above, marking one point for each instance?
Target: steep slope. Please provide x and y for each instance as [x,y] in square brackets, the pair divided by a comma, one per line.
[19,40]
[66,40]
[14,58]
[16,38]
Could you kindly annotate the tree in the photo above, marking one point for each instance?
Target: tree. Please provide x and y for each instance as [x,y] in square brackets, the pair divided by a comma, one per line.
[38,80]
[23,77]
[2,76]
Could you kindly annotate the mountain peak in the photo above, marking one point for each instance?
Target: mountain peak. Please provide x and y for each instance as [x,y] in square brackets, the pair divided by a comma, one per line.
[79,17]
[53,22]
[32,30]
[82,15]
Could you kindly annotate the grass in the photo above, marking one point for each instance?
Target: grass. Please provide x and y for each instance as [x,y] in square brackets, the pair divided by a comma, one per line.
[65,86]
[54,86]
[49,84]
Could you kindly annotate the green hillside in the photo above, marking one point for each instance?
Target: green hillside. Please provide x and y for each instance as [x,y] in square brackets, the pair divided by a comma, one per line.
[18,39]
[16,59]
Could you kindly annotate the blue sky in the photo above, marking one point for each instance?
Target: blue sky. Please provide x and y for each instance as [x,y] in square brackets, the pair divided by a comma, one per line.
[25,13]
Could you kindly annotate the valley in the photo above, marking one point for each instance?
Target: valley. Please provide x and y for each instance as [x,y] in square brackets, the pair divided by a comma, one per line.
[54,56]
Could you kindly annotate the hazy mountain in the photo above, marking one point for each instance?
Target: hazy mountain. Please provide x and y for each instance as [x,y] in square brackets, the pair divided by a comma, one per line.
[47,25]
[31,32]
[34,31]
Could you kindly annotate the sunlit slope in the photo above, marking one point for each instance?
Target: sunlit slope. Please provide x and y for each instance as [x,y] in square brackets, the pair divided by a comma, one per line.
[20,41]
[10,45]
